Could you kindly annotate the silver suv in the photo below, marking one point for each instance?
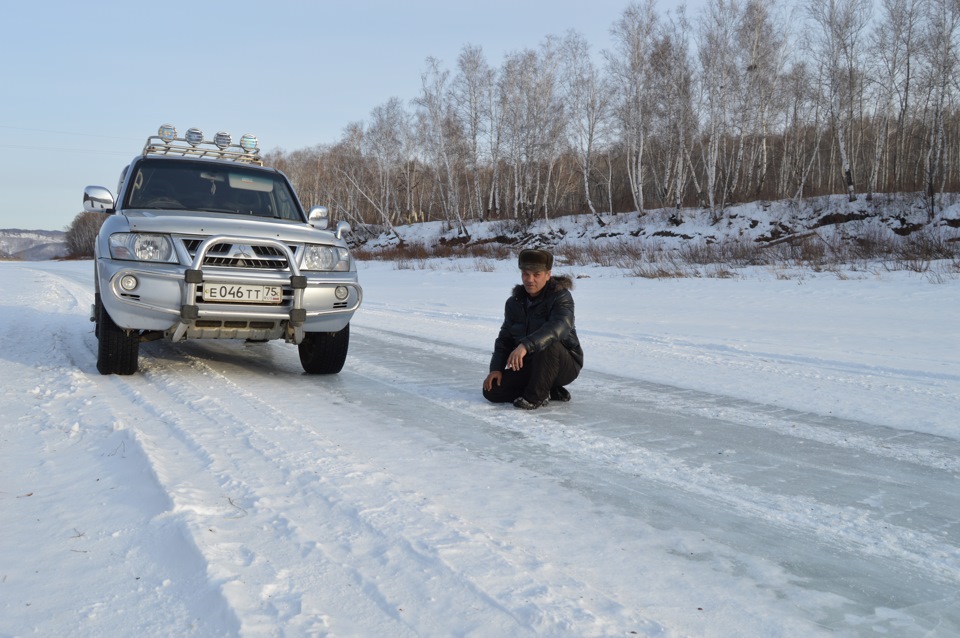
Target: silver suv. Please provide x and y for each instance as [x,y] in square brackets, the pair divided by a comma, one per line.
[203,242]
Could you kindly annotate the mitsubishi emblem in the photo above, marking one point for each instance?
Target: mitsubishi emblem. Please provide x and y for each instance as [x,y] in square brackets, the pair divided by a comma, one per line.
[241,252]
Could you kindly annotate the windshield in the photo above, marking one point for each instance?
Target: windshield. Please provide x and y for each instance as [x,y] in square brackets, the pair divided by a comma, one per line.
[218,188]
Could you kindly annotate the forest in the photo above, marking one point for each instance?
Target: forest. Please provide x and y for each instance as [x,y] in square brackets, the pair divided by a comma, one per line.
[744,101]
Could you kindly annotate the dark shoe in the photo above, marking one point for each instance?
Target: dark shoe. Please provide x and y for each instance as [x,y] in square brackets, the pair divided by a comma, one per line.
[559,393]
[523,404]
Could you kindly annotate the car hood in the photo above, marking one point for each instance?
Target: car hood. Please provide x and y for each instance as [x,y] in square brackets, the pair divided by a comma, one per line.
[207,224]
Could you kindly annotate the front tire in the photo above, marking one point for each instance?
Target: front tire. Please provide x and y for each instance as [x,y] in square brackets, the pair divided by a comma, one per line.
[118,350]
[324,352]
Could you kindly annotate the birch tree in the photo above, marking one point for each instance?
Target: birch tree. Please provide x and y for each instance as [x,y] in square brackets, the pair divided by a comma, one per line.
[587,98]
[893,46]
[674,106]
[803,114]
[470,94]
[440,135]
[762,55]
[494,144]
[366,173]
[630,69]
[719,93]
[836,42]
[385,143]
[532,126]
[940,51]
[550,119]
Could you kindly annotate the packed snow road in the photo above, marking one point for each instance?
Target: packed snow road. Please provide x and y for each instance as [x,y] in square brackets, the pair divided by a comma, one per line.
[223,492]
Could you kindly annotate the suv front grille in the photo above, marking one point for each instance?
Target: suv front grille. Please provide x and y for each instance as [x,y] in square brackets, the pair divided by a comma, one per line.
[241,255]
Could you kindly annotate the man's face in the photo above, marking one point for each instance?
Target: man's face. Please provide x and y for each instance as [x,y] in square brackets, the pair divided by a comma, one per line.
[534,280]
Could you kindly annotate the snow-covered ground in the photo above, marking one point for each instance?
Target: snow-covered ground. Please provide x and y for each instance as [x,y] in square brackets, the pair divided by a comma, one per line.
[755,456]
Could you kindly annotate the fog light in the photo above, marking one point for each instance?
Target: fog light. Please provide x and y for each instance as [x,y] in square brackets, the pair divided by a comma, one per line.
[341,292]
[128,282]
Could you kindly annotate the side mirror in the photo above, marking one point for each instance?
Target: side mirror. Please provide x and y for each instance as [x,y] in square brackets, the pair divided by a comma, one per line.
[342,227]
[97,199]
[319,217]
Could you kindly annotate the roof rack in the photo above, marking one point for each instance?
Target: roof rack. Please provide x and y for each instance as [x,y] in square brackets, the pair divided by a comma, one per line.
[166,142]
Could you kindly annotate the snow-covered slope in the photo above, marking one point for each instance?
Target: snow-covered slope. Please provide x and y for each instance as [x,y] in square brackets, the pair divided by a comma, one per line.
[833,218]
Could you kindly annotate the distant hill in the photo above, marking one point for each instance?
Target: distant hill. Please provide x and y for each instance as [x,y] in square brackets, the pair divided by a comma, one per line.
[32,245]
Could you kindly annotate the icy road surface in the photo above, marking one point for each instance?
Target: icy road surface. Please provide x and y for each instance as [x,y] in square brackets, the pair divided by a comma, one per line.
[222,492]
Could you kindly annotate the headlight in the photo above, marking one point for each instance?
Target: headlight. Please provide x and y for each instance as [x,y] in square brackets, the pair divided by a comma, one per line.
[142,247]
[328,258]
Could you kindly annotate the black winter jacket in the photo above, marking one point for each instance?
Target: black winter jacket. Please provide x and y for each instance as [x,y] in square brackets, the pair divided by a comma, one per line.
[538,322]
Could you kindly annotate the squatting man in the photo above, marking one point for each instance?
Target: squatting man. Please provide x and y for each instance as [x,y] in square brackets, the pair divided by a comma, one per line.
[537,351]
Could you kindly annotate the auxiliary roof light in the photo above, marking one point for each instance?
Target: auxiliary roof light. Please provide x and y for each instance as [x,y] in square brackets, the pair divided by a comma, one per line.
[248,143]
[167,133]
[194,136]
[222,140]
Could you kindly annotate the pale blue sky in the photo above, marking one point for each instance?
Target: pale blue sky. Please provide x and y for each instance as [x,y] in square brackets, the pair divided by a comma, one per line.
[85,83]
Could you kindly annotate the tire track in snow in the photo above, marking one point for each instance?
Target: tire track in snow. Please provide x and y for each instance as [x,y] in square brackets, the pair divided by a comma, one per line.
[591,437]
[220,472]
[784,421]
[81,444]
[786,373]
[220,456]
[651,346]
[396,509]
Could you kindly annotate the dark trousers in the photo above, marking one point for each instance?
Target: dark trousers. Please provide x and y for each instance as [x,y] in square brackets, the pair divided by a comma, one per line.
[541,371]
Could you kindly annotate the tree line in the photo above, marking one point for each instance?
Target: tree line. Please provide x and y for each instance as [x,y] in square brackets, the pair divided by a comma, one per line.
[748,100]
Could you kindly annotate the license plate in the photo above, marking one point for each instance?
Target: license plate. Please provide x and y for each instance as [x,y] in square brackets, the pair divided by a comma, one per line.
[241,293]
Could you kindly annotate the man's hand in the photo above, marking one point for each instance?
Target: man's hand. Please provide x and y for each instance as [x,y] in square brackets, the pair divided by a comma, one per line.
[515,360]
[494,378]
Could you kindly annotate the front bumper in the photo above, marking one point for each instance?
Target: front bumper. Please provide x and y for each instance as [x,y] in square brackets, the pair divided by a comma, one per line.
[168,298]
